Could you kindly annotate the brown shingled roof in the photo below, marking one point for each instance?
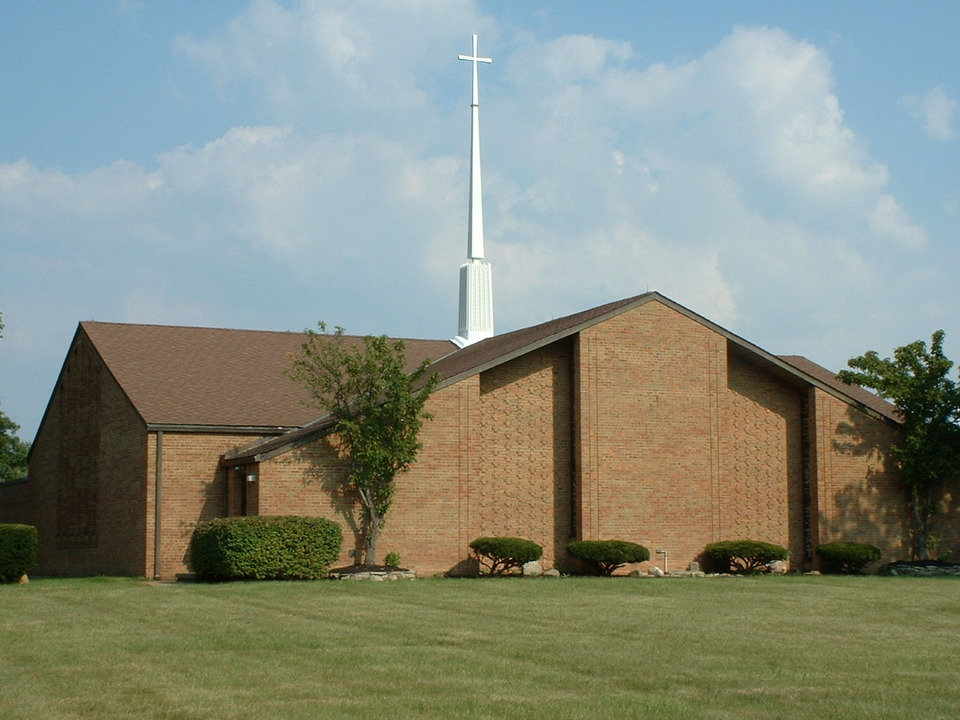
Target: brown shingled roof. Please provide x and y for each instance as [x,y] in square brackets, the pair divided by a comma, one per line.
[190,376]
[860,395]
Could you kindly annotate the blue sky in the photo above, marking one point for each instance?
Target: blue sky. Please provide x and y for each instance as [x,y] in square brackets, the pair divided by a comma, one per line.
[789,170]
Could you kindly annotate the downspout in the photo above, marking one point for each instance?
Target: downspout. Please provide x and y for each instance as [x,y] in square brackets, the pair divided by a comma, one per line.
[158,487]
[806,475]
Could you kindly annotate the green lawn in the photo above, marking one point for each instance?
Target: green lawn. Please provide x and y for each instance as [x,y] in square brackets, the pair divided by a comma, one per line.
[770,647]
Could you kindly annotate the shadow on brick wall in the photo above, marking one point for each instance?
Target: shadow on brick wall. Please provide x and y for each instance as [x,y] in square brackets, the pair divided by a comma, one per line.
[870,502]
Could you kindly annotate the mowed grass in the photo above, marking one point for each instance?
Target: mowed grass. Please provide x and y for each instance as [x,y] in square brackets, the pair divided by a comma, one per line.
[770,647]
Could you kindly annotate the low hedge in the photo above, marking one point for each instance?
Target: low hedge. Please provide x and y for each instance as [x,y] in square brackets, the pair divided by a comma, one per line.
[605,556]
[499,555]
[743,556]
[18,551]
[845,557]
[265,548]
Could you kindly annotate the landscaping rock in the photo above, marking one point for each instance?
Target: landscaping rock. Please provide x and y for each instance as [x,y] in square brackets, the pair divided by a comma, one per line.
[551,573]
[778,567]
[532,569]
[655,572]
[376,573]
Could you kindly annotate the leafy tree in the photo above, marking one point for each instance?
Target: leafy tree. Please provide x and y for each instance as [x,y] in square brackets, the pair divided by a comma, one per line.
[916,380]
[377,407]
[13,450]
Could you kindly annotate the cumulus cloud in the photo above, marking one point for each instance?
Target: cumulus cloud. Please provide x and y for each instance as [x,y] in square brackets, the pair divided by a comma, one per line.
[339,63]
[936,110]
[724,181]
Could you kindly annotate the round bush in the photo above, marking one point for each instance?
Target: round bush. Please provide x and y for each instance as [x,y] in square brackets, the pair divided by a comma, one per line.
[744,556]
[846,558]
[605,556]
[265,548]
[499,555]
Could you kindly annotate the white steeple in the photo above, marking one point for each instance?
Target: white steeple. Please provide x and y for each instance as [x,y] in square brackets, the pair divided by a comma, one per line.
[476,286]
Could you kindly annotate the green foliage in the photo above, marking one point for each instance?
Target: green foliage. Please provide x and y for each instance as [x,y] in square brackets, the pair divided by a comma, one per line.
[916,380]
[392,559]
[844,557]
[18,551]
[499,555]
[265,548]
[13,451]
[743,556]
[605,556]
[378,410]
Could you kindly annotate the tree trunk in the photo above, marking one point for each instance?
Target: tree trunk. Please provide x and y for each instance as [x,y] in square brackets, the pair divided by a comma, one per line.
[921,525]
[373,534]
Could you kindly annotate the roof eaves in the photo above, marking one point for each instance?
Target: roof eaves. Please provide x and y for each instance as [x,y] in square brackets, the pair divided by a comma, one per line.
[270,447]
[200,429]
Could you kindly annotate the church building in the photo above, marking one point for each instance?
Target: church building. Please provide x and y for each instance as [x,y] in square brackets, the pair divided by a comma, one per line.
[637,420]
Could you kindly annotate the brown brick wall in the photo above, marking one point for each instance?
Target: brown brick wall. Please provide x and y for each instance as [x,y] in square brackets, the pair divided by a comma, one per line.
[761,470]
[496,461]
[193,490]
[15,504]
[431,520]
[646,427]
[647,409]
[87,474]
[860,498]
[524,465]
[681,443]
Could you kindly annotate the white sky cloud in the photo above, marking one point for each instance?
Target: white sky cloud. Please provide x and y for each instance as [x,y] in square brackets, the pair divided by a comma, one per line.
[936,110]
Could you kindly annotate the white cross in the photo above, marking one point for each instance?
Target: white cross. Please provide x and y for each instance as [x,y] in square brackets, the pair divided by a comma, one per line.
[475,59]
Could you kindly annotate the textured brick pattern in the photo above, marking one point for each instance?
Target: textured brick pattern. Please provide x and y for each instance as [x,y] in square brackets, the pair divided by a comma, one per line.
[648,406]
[523,474]
[431,520]
[78,472]
[859,496]
[97,472]
[15,501]
[194,489]
[761,471]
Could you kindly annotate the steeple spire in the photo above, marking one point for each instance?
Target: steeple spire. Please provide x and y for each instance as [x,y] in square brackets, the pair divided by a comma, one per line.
[476,287]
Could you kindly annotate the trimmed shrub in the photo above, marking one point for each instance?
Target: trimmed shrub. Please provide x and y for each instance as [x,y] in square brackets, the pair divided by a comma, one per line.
[844,557]
[919,568]
[265,548]
[499,555]
[744,556]
[18,551]
[605,556]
